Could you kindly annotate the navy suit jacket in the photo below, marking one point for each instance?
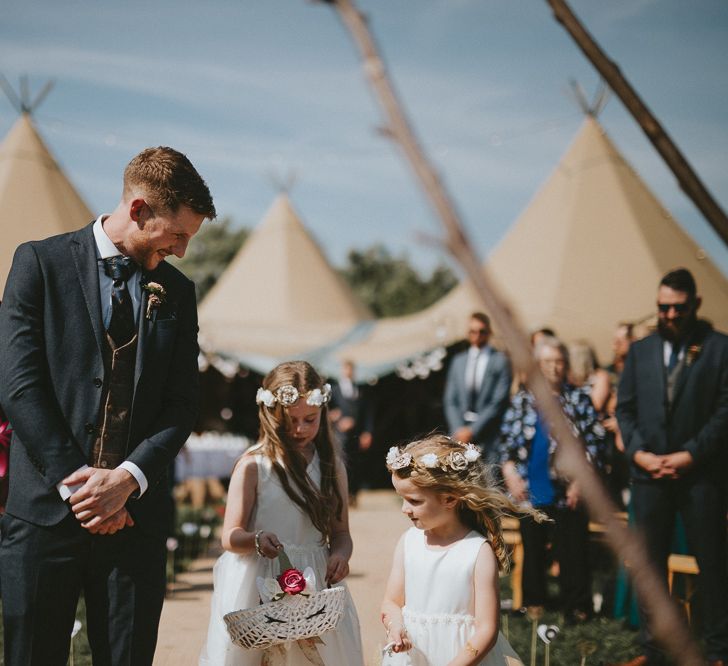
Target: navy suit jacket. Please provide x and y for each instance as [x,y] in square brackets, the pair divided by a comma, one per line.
[696,420]
[491,401]
[52,372]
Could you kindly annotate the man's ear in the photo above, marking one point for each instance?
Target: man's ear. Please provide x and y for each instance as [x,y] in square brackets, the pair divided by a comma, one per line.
[698,302]
[139,211]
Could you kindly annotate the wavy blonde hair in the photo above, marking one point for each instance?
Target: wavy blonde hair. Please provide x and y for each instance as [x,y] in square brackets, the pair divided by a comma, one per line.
[322,504]
[481,502]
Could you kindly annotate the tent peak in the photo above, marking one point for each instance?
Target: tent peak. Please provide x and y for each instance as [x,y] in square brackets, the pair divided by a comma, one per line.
[283,183]
[22,101]
[599,100]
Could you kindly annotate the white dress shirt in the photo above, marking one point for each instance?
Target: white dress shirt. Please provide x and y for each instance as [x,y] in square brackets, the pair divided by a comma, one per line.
[667,352]
[476,366]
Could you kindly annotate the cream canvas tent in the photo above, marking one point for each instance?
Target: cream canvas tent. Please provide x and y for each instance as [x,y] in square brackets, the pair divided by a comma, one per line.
[280,299]
[588,252]
[36,198]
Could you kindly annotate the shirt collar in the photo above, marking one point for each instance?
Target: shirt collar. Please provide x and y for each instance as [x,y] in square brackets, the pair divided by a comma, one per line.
[477,351]
[103,243]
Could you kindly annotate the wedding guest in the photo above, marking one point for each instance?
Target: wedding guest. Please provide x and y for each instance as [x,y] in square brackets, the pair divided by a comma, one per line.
[541,333]
[476,390]
[288,492]
[673,414]
[351,416]
[98,376]
[585,373]
[616,464]
[441,604]
[532,476]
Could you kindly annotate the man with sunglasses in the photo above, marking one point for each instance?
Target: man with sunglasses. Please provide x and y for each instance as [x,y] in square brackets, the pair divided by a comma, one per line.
[477,390]
[673,414]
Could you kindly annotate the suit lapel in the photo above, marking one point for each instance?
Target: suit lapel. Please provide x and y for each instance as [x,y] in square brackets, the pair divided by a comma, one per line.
[83,251]
[145,327]
[658,362]
[487,377]
[463,361]
[695,340]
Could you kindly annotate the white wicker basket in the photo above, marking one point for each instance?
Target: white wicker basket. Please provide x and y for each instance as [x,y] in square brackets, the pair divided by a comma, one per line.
[290,619]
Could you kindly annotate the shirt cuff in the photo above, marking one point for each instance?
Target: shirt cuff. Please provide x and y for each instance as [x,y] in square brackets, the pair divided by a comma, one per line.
[138,475]
[66,491]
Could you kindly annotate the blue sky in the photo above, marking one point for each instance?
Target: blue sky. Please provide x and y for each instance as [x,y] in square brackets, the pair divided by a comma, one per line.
[254,90]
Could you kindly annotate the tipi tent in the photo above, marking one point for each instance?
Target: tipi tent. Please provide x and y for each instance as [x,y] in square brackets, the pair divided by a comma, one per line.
[587,253]
[280,299]
[36,198]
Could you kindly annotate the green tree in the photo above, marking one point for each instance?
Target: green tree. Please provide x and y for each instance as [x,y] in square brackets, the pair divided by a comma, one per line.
[390,285]
[210,252]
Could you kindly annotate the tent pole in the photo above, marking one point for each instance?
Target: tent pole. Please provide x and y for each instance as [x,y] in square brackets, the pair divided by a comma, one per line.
[629,546]
[688,180]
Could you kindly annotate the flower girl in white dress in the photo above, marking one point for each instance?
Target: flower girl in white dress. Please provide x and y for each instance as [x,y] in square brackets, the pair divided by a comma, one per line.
[287,492]
[441,605]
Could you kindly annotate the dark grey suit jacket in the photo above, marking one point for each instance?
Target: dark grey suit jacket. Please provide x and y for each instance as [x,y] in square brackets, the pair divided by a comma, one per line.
[491,402]
[696,420]
[52,374]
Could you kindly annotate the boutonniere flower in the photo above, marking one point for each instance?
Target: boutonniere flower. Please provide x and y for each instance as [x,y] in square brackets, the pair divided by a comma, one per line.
[157,296]
[692,354]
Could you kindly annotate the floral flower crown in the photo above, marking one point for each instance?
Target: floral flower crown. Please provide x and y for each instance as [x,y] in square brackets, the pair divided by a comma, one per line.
[453,460]
[288,395]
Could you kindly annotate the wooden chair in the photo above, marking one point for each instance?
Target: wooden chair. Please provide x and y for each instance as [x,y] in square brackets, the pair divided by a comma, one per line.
[512,537]
[688,566]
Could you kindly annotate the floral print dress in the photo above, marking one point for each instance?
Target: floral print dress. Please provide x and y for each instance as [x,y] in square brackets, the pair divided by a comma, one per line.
[519,429]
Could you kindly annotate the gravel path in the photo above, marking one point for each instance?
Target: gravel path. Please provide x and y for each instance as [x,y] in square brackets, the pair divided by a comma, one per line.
[376,524]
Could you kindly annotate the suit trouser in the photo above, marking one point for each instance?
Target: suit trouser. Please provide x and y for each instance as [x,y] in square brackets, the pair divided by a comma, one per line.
[569,534]
[43,571]
[702,504]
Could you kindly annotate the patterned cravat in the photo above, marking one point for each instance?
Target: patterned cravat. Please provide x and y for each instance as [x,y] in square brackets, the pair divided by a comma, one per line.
[121,327]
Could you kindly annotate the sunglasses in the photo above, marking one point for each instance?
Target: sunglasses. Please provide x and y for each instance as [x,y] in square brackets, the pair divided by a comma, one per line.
[478,331]
[680,308]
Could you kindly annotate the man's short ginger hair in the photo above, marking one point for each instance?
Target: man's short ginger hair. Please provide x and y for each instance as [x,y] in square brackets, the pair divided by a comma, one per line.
[167,180]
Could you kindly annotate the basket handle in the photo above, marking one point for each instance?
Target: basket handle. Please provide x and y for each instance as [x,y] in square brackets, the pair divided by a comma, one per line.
[284,561]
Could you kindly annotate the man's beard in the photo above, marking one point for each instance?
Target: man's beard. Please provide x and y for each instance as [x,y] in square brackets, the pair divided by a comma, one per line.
[679,330]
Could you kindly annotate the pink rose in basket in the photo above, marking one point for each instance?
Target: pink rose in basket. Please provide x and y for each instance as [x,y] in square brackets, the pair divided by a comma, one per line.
[292,581]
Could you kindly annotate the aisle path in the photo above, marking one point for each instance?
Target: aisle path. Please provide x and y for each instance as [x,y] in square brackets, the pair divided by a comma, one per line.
[376,524]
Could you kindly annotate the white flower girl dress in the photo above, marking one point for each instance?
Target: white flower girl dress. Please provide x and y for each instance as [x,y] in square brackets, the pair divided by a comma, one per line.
[438,611]
[235,579]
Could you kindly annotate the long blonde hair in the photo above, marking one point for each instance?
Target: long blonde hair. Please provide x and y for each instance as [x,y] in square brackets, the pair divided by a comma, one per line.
[481,502]
[322,504]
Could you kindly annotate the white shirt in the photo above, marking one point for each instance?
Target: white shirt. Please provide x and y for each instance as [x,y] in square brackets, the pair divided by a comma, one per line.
[476,366]
[105,248]
[667,352]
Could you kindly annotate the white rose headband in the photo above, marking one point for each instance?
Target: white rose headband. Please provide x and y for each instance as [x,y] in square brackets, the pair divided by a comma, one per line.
[288,395]
[453,460]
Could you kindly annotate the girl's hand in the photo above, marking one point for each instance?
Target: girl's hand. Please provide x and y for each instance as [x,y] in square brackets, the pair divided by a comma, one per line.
[398,637]
[337,569]
[270,546]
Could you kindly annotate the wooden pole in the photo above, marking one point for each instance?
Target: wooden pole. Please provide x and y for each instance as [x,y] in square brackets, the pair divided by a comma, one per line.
[667,625]
[688,180]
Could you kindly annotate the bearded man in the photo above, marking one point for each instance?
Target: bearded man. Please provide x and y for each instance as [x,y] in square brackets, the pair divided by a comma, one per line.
[673,414]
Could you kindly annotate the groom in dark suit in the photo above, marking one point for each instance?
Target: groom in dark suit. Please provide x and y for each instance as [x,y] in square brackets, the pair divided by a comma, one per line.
[98,376]
[477,390]
[673,415]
